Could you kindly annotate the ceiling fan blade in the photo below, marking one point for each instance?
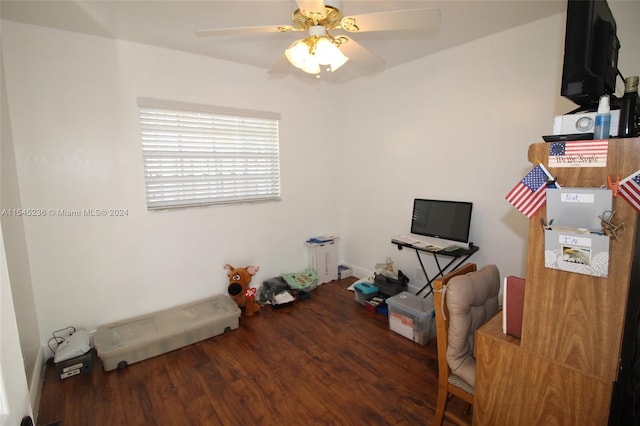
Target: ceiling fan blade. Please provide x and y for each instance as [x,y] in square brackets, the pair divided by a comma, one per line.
[411,19]
[315,6]
[281,67]
[245,30]
[361,58]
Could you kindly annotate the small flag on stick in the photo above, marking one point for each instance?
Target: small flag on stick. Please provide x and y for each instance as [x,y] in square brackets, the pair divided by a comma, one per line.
[530,193]
[629,189]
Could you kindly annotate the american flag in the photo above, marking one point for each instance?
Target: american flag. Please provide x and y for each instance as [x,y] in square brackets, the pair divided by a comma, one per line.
[629,189]
[579,153]
[530,193]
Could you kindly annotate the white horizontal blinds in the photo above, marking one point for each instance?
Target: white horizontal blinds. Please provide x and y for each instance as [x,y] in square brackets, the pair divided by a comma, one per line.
[202,157]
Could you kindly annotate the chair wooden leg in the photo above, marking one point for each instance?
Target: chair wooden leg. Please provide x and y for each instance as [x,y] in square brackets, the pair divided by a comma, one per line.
[441,406]
[468,409]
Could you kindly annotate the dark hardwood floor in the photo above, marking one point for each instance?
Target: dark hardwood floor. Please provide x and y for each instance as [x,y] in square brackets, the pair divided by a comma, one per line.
[323,361]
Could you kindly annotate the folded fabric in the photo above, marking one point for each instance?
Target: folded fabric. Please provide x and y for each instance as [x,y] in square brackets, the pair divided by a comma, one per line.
[302,280]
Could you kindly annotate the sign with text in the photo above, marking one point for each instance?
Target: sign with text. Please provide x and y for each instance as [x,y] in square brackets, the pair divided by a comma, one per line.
[579,154]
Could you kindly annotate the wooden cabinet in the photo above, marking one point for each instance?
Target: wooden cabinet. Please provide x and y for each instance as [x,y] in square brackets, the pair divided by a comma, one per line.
[565,368]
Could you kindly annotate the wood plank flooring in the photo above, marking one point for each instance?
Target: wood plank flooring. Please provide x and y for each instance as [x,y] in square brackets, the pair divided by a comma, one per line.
[323,361]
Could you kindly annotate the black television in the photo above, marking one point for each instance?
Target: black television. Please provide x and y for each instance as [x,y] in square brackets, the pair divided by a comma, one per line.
[447,220]
[591,45]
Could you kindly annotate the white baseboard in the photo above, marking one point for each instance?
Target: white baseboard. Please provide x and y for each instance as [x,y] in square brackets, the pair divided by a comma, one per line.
[35,383]
[37,378]
[359,272]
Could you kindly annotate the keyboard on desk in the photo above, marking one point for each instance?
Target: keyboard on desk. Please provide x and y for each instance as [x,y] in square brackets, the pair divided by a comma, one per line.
[417,243]
[427,247]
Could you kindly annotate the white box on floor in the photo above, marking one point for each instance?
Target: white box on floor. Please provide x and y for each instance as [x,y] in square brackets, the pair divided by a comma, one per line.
[412,317]
[344,272]
[323,258]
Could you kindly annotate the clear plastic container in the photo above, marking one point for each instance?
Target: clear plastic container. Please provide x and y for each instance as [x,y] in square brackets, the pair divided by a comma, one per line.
[364,291]
[412,317]
[124,342]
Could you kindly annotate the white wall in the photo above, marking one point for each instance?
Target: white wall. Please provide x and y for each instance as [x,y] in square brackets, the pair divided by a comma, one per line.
[17,341]
[14,394]
[627,15]
[72,101]
[455,125]
[19,317]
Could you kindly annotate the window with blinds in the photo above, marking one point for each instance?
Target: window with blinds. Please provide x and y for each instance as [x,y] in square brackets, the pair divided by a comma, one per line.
[199,155]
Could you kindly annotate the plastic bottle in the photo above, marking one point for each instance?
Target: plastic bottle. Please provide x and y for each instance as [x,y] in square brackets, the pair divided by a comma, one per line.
[603,119]
[628,127]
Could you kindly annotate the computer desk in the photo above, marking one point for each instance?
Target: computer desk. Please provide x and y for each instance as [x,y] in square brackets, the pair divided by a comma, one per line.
[457,258]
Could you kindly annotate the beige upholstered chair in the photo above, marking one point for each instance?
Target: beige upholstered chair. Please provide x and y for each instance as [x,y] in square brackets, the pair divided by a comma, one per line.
[464,300]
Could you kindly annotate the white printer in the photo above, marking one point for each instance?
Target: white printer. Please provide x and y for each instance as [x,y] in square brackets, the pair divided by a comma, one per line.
[569,124]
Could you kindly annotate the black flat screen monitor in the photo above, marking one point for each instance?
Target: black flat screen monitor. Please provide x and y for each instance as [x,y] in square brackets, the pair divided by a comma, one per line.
[448,220]
[590,65]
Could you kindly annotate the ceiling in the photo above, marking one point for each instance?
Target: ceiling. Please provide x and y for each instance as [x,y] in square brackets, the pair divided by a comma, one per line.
[171,24]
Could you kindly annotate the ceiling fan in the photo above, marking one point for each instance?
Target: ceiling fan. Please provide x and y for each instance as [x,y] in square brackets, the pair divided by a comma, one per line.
[327,47]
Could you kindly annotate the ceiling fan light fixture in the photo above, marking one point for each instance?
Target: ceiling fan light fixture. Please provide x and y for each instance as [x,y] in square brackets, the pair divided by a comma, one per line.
[329,54]
[311,65]
[297,53]
[321,48]
[309,53]
[300,56]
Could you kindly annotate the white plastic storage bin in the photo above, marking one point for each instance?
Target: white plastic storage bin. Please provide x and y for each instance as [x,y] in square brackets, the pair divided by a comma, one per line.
[122,343]
[412,317]
[323,258]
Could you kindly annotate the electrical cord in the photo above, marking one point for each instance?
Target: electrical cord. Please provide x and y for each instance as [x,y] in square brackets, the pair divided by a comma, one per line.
[59,339]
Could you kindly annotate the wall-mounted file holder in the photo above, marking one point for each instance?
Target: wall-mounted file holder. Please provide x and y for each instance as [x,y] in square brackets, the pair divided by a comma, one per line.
[582,253]
[575,242]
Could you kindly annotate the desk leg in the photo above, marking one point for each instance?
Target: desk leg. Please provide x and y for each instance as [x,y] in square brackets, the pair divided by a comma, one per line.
[429,281]
[424,271]
[439,274]
[441,271]
[460,262]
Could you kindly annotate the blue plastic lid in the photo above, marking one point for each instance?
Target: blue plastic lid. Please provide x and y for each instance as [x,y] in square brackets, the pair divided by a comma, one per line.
[366,288]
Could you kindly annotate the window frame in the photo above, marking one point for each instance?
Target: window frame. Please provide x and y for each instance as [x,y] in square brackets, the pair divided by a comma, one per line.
[201,155]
